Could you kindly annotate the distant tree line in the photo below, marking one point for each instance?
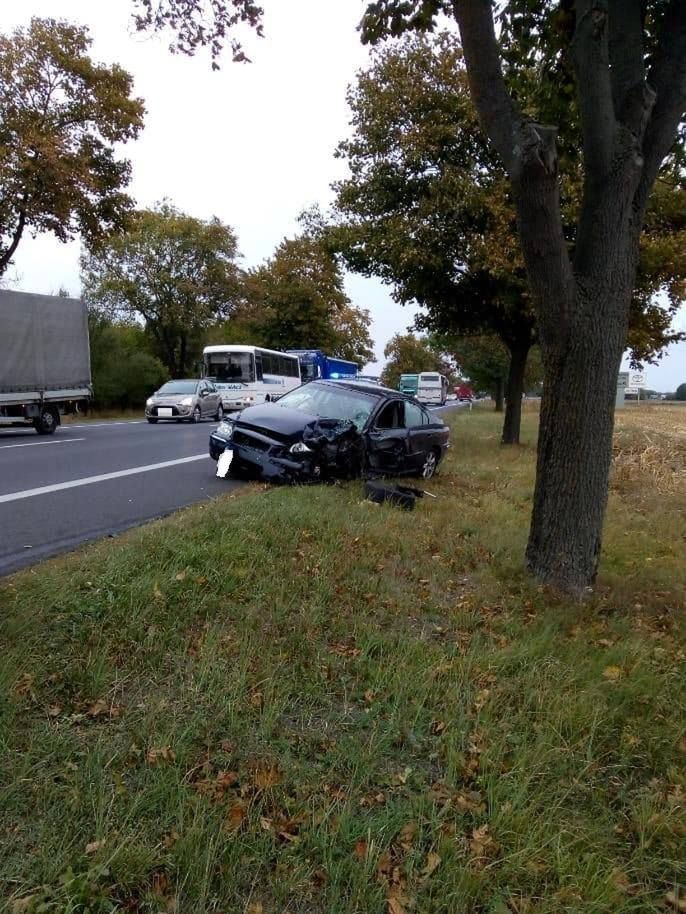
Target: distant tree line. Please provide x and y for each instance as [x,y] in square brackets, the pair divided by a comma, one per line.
[170,284]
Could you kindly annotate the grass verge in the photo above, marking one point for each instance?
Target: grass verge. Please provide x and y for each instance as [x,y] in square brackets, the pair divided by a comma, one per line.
[296,701]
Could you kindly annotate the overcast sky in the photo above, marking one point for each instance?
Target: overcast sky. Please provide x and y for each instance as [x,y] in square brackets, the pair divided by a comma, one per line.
[252,144]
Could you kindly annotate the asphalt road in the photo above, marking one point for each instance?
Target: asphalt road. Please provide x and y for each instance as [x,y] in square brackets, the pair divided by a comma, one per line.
[94,479]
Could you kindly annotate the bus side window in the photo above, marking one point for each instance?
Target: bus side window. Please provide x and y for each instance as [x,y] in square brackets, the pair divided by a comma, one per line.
[258,365]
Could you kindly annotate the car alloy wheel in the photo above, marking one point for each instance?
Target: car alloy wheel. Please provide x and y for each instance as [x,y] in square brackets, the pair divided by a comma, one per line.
[220,413]
[429,467]
[196,415]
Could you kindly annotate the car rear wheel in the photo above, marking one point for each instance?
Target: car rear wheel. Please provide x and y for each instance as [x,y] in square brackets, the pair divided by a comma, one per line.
[430,464]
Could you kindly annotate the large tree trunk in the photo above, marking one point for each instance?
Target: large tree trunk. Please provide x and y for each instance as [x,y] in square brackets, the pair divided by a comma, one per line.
[499,396]
[513,395]
[575,448]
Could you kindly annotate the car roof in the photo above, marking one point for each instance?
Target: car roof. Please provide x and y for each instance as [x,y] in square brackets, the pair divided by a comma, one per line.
[185,380]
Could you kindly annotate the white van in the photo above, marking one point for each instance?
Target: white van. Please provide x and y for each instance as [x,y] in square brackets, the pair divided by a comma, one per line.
[432,388]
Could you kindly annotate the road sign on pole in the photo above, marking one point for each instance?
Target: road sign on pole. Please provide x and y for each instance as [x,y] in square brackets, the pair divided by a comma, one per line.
[622,383]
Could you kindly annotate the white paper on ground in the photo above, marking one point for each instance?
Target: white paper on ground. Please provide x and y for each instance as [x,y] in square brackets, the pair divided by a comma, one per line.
[224,463]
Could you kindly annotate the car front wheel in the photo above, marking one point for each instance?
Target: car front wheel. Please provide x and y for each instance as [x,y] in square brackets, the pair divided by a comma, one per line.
[220,413]
[196,417]
[429,465]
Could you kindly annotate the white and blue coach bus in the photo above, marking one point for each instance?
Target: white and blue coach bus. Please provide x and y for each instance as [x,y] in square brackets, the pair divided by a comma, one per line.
[247,375]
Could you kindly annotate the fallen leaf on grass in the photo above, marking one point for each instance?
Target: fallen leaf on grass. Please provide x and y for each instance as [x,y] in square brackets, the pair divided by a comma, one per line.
[438,727]
[22,905]
[266,776]
[170,839]
[395,906]
[100,708]
[482,844]
[24,685]
[235,816]
[160,754]
[433,861]
[470,801]
[181,576]
[676,901]
[157,593]
[407,835]
[612,673]
[54,711]
[360,849]
[93,847]
[255,907]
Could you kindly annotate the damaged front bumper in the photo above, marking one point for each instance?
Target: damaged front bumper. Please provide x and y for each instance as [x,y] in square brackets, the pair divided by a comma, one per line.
[328,449]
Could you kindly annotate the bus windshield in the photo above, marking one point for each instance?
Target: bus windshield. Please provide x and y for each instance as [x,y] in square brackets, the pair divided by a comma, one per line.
[227,367]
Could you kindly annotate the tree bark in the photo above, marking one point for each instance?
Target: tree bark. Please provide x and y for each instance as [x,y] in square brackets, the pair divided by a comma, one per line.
[575,448]
[499,396]
[513,395]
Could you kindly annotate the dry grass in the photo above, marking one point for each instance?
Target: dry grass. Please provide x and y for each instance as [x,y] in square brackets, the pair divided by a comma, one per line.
[650,450]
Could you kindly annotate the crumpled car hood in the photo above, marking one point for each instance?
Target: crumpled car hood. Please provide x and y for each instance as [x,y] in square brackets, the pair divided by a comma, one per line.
[270,417]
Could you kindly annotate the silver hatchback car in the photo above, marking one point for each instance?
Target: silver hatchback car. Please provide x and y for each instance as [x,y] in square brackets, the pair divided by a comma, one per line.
[185,400]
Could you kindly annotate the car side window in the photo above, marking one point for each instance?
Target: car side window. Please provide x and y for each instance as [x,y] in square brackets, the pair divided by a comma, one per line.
[414,415]
[392,415]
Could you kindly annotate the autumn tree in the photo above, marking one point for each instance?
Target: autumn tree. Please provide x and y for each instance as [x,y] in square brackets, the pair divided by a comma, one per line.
[297,300]
[425,204]
[428,208]
[61,115]
[175,273]
[626,63]
[410,354]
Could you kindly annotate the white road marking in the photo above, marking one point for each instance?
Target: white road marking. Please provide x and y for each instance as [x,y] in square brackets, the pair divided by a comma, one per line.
[102,477]
[4,447]
[101,424]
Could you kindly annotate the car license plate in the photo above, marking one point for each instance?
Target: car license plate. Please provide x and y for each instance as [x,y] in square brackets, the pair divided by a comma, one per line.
[165,411]
[224,463]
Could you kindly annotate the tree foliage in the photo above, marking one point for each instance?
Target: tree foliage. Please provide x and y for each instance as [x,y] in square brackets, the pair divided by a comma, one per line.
[680,392]
[176,273]
[124,370]
[200,23]
[297,300]
[410,354]
[61,115]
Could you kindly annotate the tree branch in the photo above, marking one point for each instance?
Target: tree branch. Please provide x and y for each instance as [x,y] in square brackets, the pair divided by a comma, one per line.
[529,153]
[626,21]
[594,89]
[667,78]
[7,256]
[497,112]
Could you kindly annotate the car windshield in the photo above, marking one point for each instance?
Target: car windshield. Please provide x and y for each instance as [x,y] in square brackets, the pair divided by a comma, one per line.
[178,387]
[329,402]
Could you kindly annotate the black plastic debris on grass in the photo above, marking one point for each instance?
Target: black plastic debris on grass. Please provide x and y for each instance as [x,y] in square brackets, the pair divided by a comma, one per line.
[402,496]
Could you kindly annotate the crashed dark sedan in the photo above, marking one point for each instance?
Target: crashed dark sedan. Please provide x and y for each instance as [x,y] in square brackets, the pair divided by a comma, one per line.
[329,429]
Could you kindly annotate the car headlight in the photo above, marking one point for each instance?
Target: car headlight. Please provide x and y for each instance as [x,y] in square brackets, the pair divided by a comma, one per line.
[300,448]
[149,401]
[225,429]
[187,401]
